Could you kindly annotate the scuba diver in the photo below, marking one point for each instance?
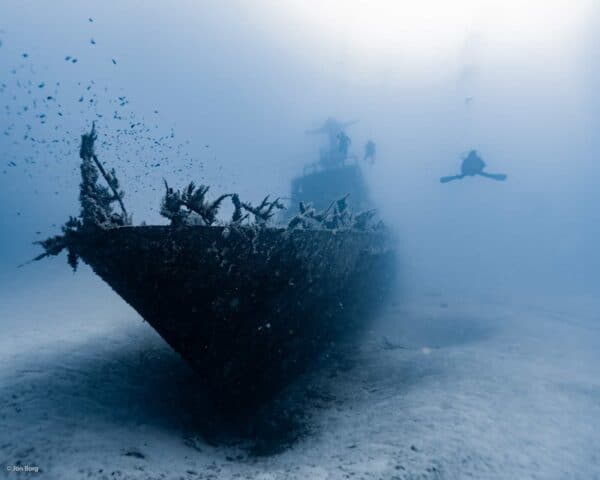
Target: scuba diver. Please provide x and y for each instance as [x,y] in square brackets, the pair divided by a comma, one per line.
[370,152]
[332,128]
[473,165]
[343,144]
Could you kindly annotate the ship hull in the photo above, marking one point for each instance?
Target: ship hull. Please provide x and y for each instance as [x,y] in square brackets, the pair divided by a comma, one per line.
[248,308]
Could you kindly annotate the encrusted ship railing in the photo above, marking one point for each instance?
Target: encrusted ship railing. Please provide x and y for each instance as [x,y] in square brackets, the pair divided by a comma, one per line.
[187,207]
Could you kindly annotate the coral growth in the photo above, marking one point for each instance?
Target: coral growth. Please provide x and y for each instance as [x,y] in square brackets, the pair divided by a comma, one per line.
[336,216]
[265,211]
[96,203]
[189,206]
[96,200]
[54,245]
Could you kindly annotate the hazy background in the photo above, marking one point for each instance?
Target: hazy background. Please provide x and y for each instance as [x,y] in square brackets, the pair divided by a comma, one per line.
[222,92]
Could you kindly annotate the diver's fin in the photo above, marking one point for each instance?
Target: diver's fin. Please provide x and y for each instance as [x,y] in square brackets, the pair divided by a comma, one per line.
[450,178]
[494,176]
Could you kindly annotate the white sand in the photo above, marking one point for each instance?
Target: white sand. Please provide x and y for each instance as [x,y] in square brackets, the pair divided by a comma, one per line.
[497,390]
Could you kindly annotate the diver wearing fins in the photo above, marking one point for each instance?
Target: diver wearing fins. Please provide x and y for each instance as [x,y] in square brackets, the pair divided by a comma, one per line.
[473,165]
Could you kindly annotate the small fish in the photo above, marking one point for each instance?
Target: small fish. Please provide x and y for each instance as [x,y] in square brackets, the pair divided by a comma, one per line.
[67,58]
[91,20]
[41,85]
[114,61]
[92,41]
[74,60]
[25,55]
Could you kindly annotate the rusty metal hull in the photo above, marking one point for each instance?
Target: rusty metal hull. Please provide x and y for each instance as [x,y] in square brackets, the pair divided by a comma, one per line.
[248,308]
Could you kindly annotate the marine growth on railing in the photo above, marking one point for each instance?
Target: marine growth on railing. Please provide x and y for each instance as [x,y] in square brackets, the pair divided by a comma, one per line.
[187,207]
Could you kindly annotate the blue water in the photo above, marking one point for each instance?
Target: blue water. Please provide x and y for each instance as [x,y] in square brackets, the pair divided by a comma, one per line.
[223,93]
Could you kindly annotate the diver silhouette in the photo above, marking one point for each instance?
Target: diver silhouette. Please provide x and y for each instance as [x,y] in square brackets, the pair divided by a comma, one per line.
[332,128]
[344,144]
[473,165]
[370,152]
[337,153]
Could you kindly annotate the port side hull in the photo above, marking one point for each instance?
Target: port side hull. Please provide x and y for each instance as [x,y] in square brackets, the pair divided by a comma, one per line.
[249,309]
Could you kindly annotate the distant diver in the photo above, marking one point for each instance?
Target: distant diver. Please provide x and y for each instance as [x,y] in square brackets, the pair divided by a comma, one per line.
[370,150]
[473,165]
[332,156]
[343,144]
[332,128]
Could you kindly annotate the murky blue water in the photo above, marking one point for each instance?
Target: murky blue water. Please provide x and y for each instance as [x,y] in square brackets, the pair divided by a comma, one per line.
[482,364]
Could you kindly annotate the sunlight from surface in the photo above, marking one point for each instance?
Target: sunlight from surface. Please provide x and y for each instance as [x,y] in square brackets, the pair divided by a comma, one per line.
[416,33]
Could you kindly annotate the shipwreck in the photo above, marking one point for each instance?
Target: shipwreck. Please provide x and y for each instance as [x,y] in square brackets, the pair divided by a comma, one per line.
[249,305]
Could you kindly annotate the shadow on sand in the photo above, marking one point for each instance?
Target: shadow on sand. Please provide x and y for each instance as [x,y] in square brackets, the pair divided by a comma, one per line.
[138,380]
[132,377]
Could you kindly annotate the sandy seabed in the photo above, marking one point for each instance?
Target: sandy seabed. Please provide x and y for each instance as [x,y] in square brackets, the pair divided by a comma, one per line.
[440,388]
